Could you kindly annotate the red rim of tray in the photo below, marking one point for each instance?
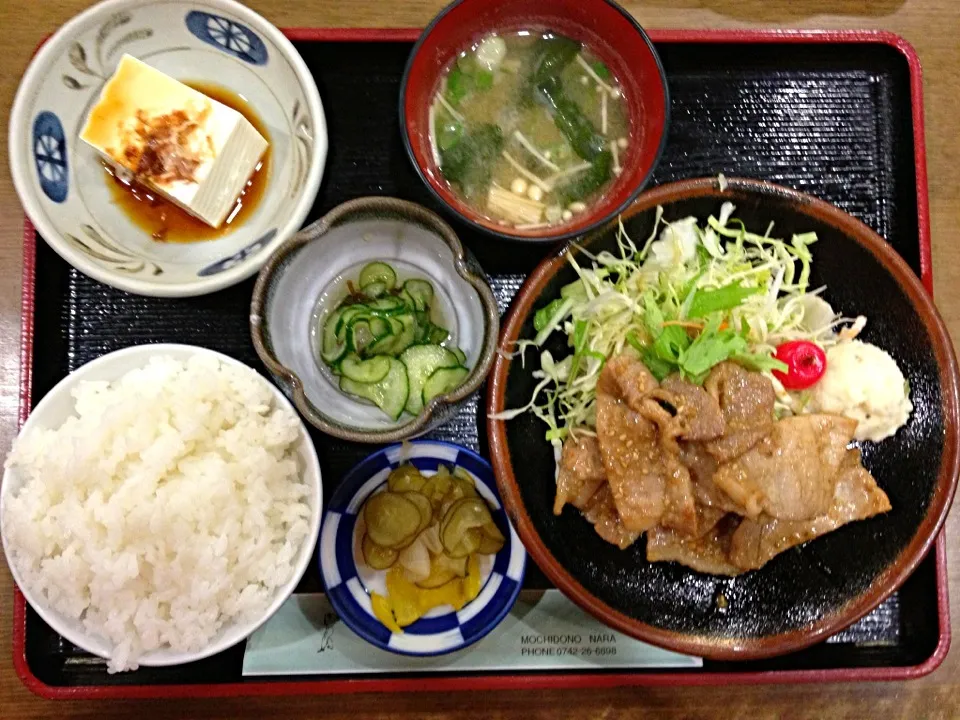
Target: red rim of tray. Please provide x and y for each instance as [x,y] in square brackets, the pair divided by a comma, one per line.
[506,681]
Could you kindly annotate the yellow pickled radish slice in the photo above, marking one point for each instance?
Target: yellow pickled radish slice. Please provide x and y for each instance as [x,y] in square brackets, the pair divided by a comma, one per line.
[450,593]
[471,583]
[384,612]
[404,596]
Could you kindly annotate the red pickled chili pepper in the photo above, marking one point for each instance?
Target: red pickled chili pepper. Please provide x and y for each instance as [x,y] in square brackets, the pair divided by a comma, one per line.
[806,362]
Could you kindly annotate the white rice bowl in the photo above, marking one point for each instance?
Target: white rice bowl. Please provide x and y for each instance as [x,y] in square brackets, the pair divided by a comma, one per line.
[160,504]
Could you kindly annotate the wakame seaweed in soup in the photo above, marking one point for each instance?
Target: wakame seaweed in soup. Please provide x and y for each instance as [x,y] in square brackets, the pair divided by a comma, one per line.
[527,128]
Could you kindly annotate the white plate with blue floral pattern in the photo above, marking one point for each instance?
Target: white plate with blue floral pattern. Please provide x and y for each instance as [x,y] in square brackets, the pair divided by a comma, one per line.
[63,186]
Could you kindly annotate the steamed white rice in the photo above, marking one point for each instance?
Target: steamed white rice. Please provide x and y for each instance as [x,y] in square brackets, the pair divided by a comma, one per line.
[168,507]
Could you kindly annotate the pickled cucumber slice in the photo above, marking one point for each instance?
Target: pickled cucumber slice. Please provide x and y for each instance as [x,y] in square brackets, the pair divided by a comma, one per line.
[424,506]
[365,371]
[392,520]
[437,487]
[421,362]
[406,478]
[442,381]
[421,292]
[390,394]
[466,514]
[377,556]
[489,546]
[493,540]
[378,272]
[469,544]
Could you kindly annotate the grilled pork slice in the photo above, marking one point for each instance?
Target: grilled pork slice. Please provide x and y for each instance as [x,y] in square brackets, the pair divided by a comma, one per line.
[794,469]
[639,465]
[707,553]
[698,413]
[581,472]
[746,402]
[680,510]
[602,514]
[856,497]
[703,466]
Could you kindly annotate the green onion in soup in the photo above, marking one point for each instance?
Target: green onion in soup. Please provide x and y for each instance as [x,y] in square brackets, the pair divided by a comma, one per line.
[528,127]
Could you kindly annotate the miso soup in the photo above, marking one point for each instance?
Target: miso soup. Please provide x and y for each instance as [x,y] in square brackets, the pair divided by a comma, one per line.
[528,128]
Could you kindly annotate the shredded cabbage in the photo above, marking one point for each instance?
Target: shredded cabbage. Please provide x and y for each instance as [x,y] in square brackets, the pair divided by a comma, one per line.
[691,297]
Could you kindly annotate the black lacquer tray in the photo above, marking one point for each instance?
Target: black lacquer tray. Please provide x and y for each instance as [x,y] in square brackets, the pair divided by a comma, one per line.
[837,115]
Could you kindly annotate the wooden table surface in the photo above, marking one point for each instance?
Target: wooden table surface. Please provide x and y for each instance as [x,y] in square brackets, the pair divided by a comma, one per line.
[932,26]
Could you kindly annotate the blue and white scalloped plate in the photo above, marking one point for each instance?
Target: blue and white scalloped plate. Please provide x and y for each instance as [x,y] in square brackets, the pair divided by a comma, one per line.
[349,582]
[64,189]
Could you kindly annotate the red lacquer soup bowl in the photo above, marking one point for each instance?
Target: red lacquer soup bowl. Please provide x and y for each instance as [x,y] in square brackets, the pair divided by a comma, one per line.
[602,26]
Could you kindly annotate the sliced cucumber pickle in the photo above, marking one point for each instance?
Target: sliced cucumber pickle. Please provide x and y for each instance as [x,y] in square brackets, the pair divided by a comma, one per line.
[457,565]
[493,540]
[350,312]
[365,371]
[442,381]
[332,349]
[421,362]
[465,515]
[374,289]
[366,331]
[436,488]
[387,306]
[438,335]
[390,394]
[377,556]
[469,544]
[466,487]
[424,506]
[378,272]
[421,291]
[455,491]
[459,472]
[386,344]
[407,335]
[489,546]
[406,298]
[406,478]
[392,520]
[384,320]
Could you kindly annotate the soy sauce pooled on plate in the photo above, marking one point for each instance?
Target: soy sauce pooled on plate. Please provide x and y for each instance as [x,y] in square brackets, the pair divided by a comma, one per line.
[168,223]
[528,128]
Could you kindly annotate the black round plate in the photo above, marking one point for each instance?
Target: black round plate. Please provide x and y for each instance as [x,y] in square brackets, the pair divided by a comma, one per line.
[807,592]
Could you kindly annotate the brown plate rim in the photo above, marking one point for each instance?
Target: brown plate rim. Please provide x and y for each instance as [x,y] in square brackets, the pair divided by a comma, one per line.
[715,647]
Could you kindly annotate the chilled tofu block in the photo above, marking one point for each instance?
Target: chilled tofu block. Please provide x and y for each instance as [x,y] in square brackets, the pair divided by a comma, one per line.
[190,149]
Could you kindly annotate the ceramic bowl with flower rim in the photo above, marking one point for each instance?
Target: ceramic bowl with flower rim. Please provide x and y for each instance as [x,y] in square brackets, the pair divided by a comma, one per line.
[308,275]
[64,188]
